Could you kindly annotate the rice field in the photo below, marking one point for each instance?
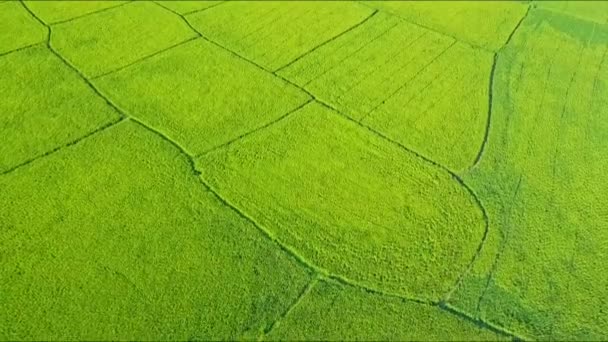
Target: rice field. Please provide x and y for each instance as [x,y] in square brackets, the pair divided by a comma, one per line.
[303,170]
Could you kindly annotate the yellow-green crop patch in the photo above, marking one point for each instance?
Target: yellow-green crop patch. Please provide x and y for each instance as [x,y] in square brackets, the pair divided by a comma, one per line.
[44,105]
[343,313]
[275,33]
[124,242]
[17,28]
[108,40]
[543,178]
[485,24]
[185,7]
[351,203]
[201,95]
[404,81]
[57,11]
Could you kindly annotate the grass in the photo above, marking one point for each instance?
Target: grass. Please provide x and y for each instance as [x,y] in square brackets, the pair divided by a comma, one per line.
[181,170]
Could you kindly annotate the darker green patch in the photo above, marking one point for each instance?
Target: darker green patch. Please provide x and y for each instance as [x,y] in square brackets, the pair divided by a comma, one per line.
[580,29]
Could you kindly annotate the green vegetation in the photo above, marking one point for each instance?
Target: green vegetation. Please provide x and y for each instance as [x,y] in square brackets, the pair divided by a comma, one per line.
[321,185]
[57,11]
[122,241]
[338,313]
[45,105]
[111,39]
[480,23]
[185,7]
[275,33]
[596,11]
[17,28]
[206,95]
[405,93]
[543,179]
[303,170]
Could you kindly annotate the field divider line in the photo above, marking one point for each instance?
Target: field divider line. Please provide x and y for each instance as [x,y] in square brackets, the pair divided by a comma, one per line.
[428,28]
[488,124]
[501,248]
[303,294]
[182,16]
[205,9]
[60,22]
[144,58]
[22,48]
[255,130]
[480,323]
[373,13]
[66,145]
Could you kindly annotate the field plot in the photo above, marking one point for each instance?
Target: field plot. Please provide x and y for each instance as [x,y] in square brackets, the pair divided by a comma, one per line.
[303,170]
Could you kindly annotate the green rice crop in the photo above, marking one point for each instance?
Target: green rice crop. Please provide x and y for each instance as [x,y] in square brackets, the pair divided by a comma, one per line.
[403,81]
[108,40]
[321,186]
[481,24]
[17,28]
[53,11]
[123,242]
[335,312]
[207,96]
[275,33]
[45,105]
[303,170]
[543,180]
